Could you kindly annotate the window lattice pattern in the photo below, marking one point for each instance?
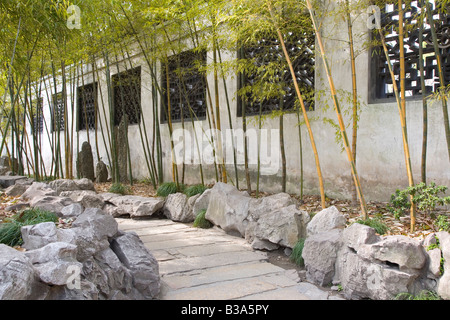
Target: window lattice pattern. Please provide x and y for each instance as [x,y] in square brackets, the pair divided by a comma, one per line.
[58,112]
[389,19]
[268,51]
[187,86]
[38,116]
[86,104]
[127,95]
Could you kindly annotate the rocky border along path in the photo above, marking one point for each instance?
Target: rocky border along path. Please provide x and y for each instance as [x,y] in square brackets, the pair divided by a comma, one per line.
[208,264]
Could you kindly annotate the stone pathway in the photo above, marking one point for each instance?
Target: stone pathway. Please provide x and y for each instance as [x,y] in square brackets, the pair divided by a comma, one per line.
[208,264]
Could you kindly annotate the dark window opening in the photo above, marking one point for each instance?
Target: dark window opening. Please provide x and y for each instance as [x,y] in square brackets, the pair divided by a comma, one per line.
[186,91]
[268,62]
[87,106]
[127,95]
[380,76]
[58,112]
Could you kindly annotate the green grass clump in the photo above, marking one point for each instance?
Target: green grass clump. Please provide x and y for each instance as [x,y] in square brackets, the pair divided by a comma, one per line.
[119,188]
[296,255]
[195,189]
[10,230]
[201,222]
[423,295]
[379,226]
[167,188]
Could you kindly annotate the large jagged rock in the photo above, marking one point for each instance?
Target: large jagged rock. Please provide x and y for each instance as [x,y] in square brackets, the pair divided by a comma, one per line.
[275,220]
[92,260]
[101,172]
[379,268]
[142,264]
[16,274]
[228,208]
[320,253]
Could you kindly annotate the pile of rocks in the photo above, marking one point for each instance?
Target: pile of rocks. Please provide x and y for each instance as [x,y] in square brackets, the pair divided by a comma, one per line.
[91,260]
[367,265]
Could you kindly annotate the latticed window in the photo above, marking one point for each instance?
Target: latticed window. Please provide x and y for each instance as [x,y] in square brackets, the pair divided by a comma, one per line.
[186,91]
[58,112]
[412,17]
[38,116]
[127,95]
[267,83]
[87,106]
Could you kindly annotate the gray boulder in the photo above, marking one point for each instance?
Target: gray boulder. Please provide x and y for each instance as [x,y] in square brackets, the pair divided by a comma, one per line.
[320,253]
[72,210]
[53,204]
[176,208]
[53,263]
[38,235]
[86,161]
[282,226]
[61,185]
[93,228]
[142,264]
[228,208]
[101,172]
[85,184]
[325,220]
[135,206]
[16,274]
[201,202]
[16,190]
[37,190]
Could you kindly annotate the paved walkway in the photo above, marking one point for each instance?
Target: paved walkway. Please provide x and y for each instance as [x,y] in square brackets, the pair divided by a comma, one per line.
[208,264]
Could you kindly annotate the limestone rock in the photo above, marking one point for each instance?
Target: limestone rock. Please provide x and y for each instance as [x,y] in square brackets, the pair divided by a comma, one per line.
[325,220]
[201,202]
[16,274]
[228,208]
[320,253]
[37,189]
[72,210]
[142,264]
[176,208]
[86,161]
[135,206]
[444,282]
[101,172]
[54,261]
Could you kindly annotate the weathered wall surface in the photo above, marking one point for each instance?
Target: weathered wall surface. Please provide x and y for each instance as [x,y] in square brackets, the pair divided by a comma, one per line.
[380,158]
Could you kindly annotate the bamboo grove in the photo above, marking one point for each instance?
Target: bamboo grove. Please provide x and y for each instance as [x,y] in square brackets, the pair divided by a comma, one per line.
[41,53]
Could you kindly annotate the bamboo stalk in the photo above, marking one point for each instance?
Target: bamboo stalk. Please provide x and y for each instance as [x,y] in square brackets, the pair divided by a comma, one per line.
[423,165]
[402,120]
[305,115]
[338,113]
[441,77]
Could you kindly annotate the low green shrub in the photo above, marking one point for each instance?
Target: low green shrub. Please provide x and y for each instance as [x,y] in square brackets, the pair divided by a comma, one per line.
[296,255]
[201,222]
[10,230]
[195,189]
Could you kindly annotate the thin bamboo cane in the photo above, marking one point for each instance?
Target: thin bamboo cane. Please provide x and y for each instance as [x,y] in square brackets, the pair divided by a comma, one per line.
[305,115]
[402,119]
[338,113]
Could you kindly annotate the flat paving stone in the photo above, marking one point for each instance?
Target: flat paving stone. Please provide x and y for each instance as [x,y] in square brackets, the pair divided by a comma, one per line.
[208,264]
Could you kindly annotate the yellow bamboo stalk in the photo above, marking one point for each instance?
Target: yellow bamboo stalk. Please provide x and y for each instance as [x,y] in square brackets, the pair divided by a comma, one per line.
[305,115]
[403,124]
[338,112]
